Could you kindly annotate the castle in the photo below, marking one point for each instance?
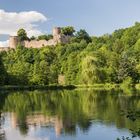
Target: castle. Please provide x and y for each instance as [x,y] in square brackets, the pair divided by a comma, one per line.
[57,38]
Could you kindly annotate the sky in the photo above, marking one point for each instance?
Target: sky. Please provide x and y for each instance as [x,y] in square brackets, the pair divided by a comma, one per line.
[97,17]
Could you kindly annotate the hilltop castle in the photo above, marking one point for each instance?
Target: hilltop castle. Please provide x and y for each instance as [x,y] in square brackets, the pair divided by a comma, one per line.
[57,38]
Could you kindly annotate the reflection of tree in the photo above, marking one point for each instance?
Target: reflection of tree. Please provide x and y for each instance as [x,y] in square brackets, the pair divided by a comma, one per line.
[2,132]
[20,104]
[3,96]
[73,108]
[23,128]
[133,115]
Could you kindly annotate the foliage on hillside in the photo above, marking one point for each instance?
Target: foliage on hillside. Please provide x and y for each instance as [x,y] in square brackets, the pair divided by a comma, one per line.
[85,60]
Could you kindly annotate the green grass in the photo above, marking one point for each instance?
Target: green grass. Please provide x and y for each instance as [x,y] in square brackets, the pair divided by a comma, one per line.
[107,86]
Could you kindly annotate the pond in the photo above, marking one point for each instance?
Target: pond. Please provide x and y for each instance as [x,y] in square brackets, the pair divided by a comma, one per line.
[67,115]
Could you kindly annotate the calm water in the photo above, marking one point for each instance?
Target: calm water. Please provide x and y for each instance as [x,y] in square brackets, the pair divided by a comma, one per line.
[66,115]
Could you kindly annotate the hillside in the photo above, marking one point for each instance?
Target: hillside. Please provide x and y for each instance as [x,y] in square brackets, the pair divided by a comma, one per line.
[113,58]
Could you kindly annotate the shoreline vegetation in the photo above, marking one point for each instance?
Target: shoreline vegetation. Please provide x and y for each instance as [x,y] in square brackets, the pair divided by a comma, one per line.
[106,62]
[39,87]
[106,86]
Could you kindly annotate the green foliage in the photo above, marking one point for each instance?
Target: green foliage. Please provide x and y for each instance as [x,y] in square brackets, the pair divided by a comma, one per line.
[29,66]
[33,38]
[126,68]
[22,35]
[132,115]
[3,73]
[137,86]
[45,37]
[81,35]
[113,58]
[127,83]
[90,70]
[69,30]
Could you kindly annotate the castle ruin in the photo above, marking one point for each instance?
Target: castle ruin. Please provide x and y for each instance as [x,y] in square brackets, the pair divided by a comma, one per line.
[57,38]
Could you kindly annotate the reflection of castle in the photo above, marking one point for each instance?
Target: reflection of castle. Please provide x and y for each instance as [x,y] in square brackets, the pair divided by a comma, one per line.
[57,38]
[40,120]
[2,132]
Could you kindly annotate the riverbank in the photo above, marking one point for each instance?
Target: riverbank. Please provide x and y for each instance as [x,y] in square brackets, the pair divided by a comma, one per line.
[34,87]
[106,86]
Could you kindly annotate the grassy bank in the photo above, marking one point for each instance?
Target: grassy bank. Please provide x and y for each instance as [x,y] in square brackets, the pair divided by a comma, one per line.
[56,87]
[107,86]
[46,87]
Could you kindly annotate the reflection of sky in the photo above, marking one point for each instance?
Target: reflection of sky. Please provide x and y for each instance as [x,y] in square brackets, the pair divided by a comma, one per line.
[97,131]
[14,134]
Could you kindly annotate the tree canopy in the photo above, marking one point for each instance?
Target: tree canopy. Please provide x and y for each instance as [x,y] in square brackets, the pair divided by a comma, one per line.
[69,30]
[22,35]
[45,37]
[111,58]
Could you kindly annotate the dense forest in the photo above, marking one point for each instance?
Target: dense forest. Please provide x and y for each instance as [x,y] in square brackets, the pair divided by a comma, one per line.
[111,58]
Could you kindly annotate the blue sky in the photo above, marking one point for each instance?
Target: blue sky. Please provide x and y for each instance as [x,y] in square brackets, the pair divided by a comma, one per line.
[96,16]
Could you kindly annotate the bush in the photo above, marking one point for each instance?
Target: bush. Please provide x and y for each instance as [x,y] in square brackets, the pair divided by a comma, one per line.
[127,83]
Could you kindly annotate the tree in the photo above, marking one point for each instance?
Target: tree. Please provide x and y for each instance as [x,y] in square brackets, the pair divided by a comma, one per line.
[40,74]
[22,35]
[109,58]
[33,38]
[45,37]
[3,73]
[82,35]
[126,69]
[69,30]
[90,72]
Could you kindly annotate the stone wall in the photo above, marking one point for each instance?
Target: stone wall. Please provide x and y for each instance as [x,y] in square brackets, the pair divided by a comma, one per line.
[13,42]
[57,38]
[38,44]
[41,43]
[4,49]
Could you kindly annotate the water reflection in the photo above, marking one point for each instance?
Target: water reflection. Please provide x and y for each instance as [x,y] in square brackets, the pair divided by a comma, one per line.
[2,132]
[67,112]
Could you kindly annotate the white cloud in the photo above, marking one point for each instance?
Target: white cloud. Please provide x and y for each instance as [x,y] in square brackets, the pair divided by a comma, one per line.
[10,22]
[4,43]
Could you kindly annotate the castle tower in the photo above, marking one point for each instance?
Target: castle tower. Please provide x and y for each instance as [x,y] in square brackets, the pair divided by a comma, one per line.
[56,31]
[13,42]
[57,34]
